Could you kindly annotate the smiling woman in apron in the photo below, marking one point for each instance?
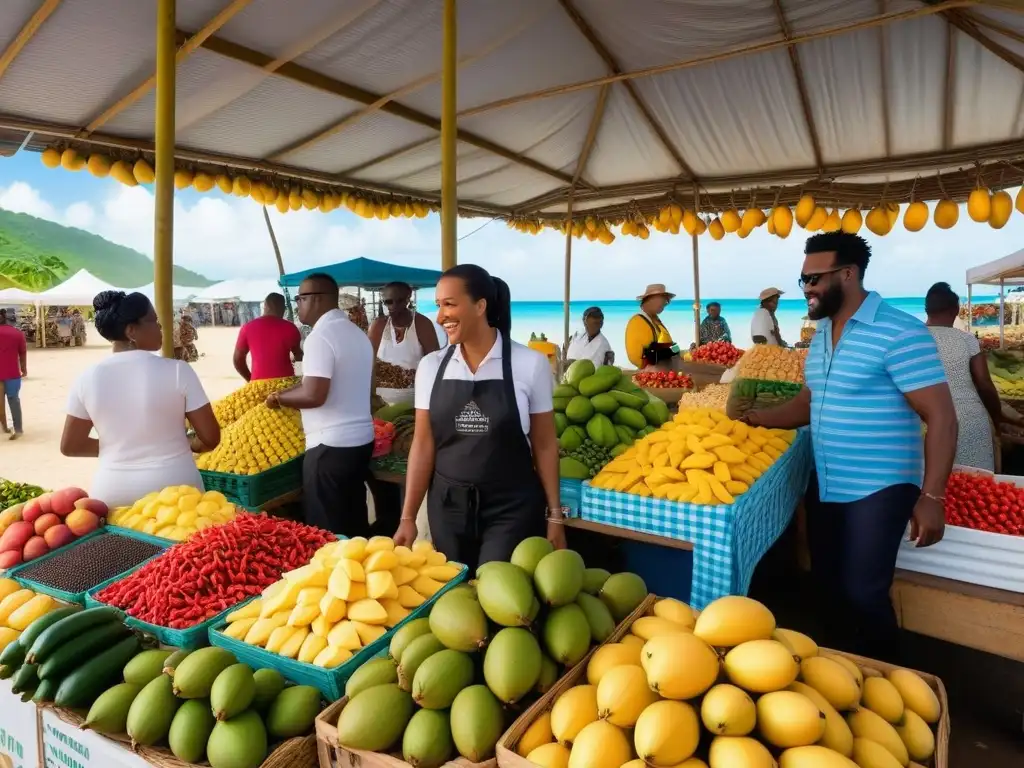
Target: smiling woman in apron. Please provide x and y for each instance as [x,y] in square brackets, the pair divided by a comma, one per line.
[484,452]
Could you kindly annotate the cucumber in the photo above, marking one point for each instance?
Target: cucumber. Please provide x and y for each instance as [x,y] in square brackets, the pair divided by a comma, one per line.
[24,679]
[77,652]
[45,691]
[69,628]
[7,671]
[81,687]
[26,697]
[35,629]
[13,655]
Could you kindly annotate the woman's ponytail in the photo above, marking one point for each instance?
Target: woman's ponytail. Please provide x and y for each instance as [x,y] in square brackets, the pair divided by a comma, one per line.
[499,311]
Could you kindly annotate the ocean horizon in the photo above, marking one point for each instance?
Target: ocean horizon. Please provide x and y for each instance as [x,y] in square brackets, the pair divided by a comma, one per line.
[546,317]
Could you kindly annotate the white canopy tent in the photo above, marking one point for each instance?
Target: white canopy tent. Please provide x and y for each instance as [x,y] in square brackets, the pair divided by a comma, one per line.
[182,294]
[237,290]
[1009,270]
[78,290]
[16,296]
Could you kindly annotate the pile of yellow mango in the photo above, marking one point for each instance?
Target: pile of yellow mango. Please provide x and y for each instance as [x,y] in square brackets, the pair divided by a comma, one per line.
[701,456]
[351,594]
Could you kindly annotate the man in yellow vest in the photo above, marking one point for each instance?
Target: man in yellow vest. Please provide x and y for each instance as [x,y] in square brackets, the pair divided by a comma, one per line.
[648,342]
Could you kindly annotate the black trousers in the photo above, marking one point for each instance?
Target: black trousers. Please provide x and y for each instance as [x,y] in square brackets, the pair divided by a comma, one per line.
[334,488]
[387,504]
[853,550]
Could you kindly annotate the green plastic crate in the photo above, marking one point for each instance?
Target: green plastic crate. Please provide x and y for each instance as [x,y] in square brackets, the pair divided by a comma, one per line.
[330,682]
[253,491]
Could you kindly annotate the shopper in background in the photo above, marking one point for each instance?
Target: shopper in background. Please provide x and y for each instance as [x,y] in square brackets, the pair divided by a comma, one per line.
[484,447]
[714,328]
[648,342]
[975,398]
[13,368]
[271,341]
[764,326]
[590,343]
[873,375]
[138,403]
[334,399]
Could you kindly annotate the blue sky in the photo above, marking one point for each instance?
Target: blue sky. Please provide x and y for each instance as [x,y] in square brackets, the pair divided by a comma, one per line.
[224,237]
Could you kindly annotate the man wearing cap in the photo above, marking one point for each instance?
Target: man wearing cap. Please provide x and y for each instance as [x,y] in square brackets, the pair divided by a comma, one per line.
[764,327]
[648,342]
[590,343]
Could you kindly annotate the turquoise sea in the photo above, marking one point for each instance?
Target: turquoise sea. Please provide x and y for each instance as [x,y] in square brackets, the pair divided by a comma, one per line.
[546,317]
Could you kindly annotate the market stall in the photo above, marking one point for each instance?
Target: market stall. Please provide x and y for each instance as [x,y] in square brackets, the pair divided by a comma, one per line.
[231,302]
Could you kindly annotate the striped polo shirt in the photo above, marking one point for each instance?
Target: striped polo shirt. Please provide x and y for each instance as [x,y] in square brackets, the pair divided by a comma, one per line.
[866,437]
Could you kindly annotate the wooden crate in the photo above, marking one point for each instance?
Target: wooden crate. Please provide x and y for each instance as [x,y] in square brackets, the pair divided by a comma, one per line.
[334,755]
[509,758]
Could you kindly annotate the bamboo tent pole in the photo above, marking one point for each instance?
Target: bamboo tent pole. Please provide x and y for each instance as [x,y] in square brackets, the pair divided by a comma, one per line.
[163,219]
[449,137]
[567,281]
[696,270]
[280,264]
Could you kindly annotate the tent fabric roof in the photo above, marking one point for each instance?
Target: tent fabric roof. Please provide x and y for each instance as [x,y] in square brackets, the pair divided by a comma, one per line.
[78,290]
[1009,268]
[369,274]
[236,290]
[851,99]
[16,296]
[180,293]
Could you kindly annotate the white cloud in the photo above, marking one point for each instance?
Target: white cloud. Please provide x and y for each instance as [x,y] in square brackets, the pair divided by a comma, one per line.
[225,237]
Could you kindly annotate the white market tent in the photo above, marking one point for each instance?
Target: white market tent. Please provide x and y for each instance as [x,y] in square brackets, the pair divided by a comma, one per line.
[78,290]
[16,296]
[249,291]
[566,109]
[1009,270]
[181,293]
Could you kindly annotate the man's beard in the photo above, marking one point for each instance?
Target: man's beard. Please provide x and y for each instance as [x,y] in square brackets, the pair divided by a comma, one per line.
[829,303]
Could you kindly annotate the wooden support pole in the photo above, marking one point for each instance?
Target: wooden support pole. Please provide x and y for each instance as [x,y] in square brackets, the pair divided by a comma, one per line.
[163,217]
[567,280]
[449,137]
[280,263]
[696,271]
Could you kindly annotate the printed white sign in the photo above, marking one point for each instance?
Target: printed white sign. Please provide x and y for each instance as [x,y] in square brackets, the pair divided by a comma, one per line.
[65,746]
[19,745]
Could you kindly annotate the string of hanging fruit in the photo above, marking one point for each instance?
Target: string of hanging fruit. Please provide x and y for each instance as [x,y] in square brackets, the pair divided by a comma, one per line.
[285,196]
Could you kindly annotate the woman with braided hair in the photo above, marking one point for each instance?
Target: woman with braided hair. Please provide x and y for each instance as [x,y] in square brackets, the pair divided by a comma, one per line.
[137,403]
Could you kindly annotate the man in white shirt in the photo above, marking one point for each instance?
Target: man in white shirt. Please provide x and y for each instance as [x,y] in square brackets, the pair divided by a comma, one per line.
[591,344]
[334,399]
[764,327]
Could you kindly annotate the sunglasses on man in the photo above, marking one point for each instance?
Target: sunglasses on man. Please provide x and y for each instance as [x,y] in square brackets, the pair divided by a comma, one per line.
[811,280]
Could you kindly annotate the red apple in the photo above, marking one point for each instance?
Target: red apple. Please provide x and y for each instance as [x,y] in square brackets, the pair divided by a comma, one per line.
[35,547]
[16,536]
[58,536]
[95,506]
[45,522]
[63,501]
[36,508]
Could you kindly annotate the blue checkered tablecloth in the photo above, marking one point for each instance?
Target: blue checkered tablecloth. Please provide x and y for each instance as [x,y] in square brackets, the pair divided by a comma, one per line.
[728,541]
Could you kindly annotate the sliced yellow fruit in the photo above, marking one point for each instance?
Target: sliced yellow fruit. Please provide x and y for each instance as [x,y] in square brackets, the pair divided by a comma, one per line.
[367,611]
[311,648]
[303,615]
[282,601]
[291,648]
[259,632]
[30,611]
[311,595]
[331,657]
[436,558]
[404,555]
[344,635]
[396,612]
[343,588]
[379,544]
[13,602]
[426,586]
[332,609]
[423,546]
[320,627]
[239,629]
[409,597]
[404,575]
[250,610]
[353,549]
[279,637]
[381,585]
[369,632]
[380,561]
[443,573]
[353,569]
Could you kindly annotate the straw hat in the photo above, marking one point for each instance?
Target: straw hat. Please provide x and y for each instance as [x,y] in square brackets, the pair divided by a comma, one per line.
[655,289]
[767,293]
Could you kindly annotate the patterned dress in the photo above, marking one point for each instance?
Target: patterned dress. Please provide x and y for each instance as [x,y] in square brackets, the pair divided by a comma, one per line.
[974,446]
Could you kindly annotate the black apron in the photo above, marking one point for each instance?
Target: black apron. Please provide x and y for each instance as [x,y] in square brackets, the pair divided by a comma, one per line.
[485,496]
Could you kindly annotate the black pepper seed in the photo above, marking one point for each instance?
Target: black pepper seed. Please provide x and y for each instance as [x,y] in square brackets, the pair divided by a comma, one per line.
[90,563]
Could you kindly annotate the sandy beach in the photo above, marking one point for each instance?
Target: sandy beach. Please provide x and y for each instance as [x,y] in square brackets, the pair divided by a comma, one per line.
[36,457]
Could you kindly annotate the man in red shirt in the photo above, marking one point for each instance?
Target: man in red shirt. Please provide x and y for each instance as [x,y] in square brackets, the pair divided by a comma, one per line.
[13,367]
[271,340]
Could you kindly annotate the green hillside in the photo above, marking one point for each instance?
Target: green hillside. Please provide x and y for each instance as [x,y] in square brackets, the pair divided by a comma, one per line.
[56,252]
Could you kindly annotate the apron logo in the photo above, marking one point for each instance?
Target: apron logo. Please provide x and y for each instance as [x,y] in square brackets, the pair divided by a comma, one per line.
[471,421]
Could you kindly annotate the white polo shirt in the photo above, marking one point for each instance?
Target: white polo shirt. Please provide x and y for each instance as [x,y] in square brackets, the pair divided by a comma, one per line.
[531,377]
[582,347]
[338,350]
[761,325]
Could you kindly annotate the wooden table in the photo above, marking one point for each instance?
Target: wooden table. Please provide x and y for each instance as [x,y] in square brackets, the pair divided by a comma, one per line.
[626,533]
[983,618]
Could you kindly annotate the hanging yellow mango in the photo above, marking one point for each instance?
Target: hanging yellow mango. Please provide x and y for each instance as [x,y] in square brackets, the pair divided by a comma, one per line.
[817,220]
[70,160]
[50,157]
[979,204]
[1002,209]
[832,223]
[203,182]
[916,216]
[878,221]
[99,166]
[731,220]
[946,215]
[852,221]
[782,220]
[716,229]
[224,183]
[121,170]
[183,178]
[804,210]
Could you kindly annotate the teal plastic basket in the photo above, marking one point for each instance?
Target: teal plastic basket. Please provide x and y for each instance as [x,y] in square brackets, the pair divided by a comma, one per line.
[253,491]
[571,493]
[191,638]
[60,594]
[131,533]
[330,682]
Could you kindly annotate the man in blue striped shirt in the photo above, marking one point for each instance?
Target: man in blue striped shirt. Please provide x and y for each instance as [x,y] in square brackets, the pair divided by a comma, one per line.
[872,375]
